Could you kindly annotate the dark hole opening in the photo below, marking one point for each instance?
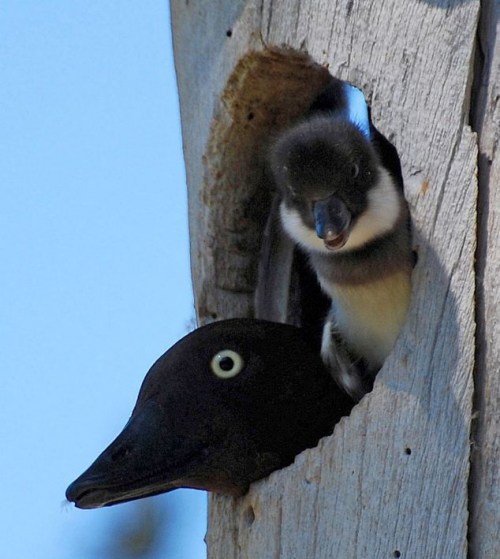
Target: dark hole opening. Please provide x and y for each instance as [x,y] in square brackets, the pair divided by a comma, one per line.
[308,302]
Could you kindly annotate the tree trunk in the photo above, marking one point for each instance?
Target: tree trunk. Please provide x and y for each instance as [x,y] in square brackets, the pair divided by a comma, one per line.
[393,479]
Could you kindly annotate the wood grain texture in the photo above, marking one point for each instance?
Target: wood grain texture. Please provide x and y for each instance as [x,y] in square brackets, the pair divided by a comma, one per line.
[393,477]
[485,486]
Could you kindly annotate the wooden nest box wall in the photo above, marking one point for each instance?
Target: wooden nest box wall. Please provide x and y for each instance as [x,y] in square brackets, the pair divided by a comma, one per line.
[395,478]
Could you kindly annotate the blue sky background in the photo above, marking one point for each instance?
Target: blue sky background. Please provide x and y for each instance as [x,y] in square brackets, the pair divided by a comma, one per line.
[95,280]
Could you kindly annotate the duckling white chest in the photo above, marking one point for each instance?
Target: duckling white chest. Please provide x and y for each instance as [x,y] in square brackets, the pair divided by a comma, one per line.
[369,316]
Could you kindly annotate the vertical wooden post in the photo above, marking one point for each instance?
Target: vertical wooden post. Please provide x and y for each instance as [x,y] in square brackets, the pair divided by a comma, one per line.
[392,481]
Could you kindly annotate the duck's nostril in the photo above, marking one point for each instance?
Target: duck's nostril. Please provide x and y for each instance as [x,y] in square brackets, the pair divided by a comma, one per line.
[121,453]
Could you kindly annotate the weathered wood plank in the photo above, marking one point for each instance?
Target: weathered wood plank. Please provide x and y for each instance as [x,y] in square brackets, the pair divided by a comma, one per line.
[485,486]
[360,493]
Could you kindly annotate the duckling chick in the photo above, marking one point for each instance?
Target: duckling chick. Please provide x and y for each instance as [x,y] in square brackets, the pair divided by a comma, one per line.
[343,203]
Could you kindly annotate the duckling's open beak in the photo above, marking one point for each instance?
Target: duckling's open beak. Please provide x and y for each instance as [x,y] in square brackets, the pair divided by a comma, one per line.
[138,463]
[333,221]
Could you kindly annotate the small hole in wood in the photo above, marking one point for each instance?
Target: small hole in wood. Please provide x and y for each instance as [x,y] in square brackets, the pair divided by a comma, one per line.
[250,116]
[408,450]
[229,33]
[415,256]
[249,516]
[397,553]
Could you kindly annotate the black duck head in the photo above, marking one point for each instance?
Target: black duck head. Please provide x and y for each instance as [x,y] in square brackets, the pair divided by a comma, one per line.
[225,406]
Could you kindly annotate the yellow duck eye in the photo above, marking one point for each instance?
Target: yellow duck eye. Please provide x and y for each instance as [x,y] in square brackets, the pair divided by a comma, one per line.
[226,363]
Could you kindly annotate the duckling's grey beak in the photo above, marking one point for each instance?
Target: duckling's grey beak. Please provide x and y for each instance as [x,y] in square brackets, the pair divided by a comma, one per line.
[333,221]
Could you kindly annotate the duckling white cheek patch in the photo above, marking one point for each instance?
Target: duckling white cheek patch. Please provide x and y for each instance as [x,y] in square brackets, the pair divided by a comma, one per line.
[294,226]
[384,208]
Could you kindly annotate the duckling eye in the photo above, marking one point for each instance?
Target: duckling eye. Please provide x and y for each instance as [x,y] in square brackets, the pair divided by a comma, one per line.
[354,170]
[226,363]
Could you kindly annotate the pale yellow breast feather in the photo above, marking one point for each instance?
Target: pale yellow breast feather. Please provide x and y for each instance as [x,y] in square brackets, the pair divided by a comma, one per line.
[369,316]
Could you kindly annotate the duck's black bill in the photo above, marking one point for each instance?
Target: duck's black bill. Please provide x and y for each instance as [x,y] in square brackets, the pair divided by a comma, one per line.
[136,464]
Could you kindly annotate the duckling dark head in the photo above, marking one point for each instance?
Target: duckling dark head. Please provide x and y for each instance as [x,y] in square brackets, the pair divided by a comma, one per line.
[225,406]
[328,173]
